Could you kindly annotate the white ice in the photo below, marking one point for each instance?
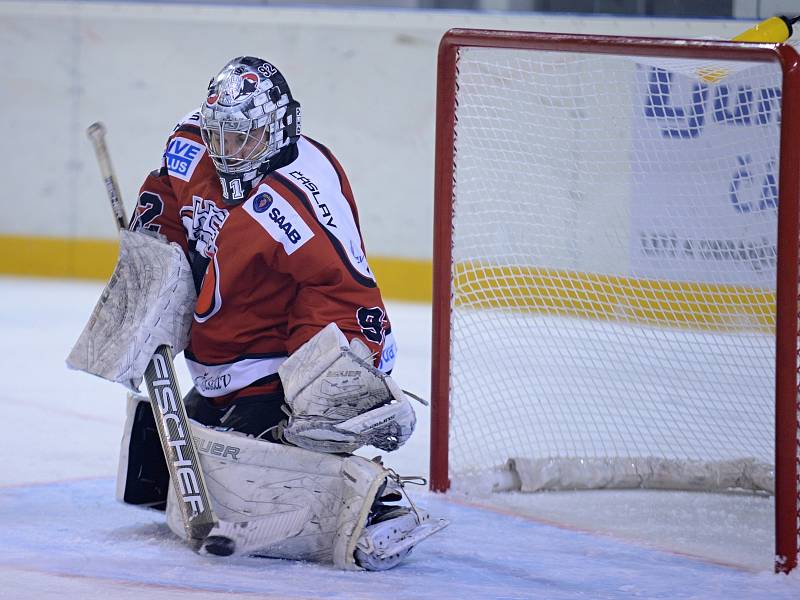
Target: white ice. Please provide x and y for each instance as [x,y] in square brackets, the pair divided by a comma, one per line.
[64,536]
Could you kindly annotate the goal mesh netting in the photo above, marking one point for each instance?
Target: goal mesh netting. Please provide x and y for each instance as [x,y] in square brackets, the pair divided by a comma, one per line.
[611,301]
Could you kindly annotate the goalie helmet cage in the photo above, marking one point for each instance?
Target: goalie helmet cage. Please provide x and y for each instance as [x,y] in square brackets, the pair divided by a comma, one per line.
[600,317]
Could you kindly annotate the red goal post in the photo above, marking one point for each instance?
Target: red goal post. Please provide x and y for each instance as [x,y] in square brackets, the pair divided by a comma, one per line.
[452,278]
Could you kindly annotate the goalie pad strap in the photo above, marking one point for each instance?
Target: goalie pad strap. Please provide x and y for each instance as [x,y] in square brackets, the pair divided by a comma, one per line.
[148,302]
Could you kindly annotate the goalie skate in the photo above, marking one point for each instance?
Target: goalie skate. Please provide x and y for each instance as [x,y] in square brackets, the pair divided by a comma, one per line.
[392,535]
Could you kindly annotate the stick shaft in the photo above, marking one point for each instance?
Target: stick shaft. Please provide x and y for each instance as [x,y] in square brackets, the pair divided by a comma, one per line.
[174,431]
[97,135]
[178,445]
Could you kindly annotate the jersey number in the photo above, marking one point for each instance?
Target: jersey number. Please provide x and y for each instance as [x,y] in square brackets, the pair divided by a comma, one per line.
[371,322]
[236,192]
[150,207]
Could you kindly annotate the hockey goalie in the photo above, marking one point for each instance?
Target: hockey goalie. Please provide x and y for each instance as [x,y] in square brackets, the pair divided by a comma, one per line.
[245,253]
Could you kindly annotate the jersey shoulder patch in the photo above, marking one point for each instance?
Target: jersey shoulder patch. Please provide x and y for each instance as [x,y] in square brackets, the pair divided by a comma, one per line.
[182,156]
[278,218]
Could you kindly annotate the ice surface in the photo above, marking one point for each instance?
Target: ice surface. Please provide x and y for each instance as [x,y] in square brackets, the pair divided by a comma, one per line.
[64,535]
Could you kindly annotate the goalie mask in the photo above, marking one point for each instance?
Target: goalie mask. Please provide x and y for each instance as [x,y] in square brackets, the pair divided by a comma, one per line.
[249,115]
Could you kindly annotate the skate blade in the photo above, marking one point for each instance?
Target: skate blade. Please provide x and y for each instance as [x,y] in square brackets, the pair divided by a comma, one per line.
[414,537]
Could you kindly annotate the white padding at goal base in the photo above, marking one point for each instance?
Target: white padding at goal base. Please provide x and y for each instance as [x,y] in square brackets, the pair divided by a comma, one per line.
[536,475]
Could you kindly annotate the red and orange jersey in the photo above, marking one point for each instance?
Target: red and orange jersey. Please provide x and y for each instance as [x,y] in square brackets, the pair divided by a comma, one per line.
[271,271]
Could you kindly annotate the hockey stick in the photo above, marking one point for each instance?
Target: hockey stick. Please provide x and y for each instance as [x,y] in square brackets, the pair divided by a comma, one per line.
[97,135]
[171,420]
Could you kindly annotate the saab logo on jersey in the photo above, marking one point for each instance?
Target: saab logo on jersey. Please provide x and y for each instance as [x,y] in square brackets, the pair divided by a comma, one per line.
[280,220]
[284,223]
[182,157]
[262,202]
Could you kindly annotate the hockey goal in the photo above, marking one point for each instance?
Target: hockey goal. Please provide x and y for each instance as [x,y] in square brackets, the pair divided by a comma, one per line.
[616,266]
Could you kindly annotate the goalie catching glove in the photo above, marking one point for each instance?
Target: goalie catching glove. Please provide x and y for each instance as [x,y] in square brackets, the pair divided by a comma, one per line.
[339,401]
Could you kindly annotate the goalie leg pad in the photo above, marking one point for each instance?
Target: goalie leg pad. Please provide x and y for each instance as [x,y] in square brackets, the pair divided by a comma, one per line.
[278,500]
[363,480]
[142,476]
[285,502]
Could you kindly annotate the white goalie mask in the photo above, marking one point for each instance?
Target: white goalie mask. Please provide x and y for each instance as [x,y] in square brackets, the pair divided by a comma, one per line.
[249,115]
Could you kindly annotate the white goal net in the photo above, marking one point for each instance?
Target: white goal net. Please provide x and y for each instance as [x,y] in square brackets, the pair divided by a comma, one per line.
[612,252]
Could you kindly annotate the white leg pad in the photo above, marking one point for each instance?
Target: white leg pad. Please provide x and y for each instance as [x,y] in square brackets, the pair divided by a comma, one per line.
[142,475]
[284,502]
[362,479]
[132,403]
